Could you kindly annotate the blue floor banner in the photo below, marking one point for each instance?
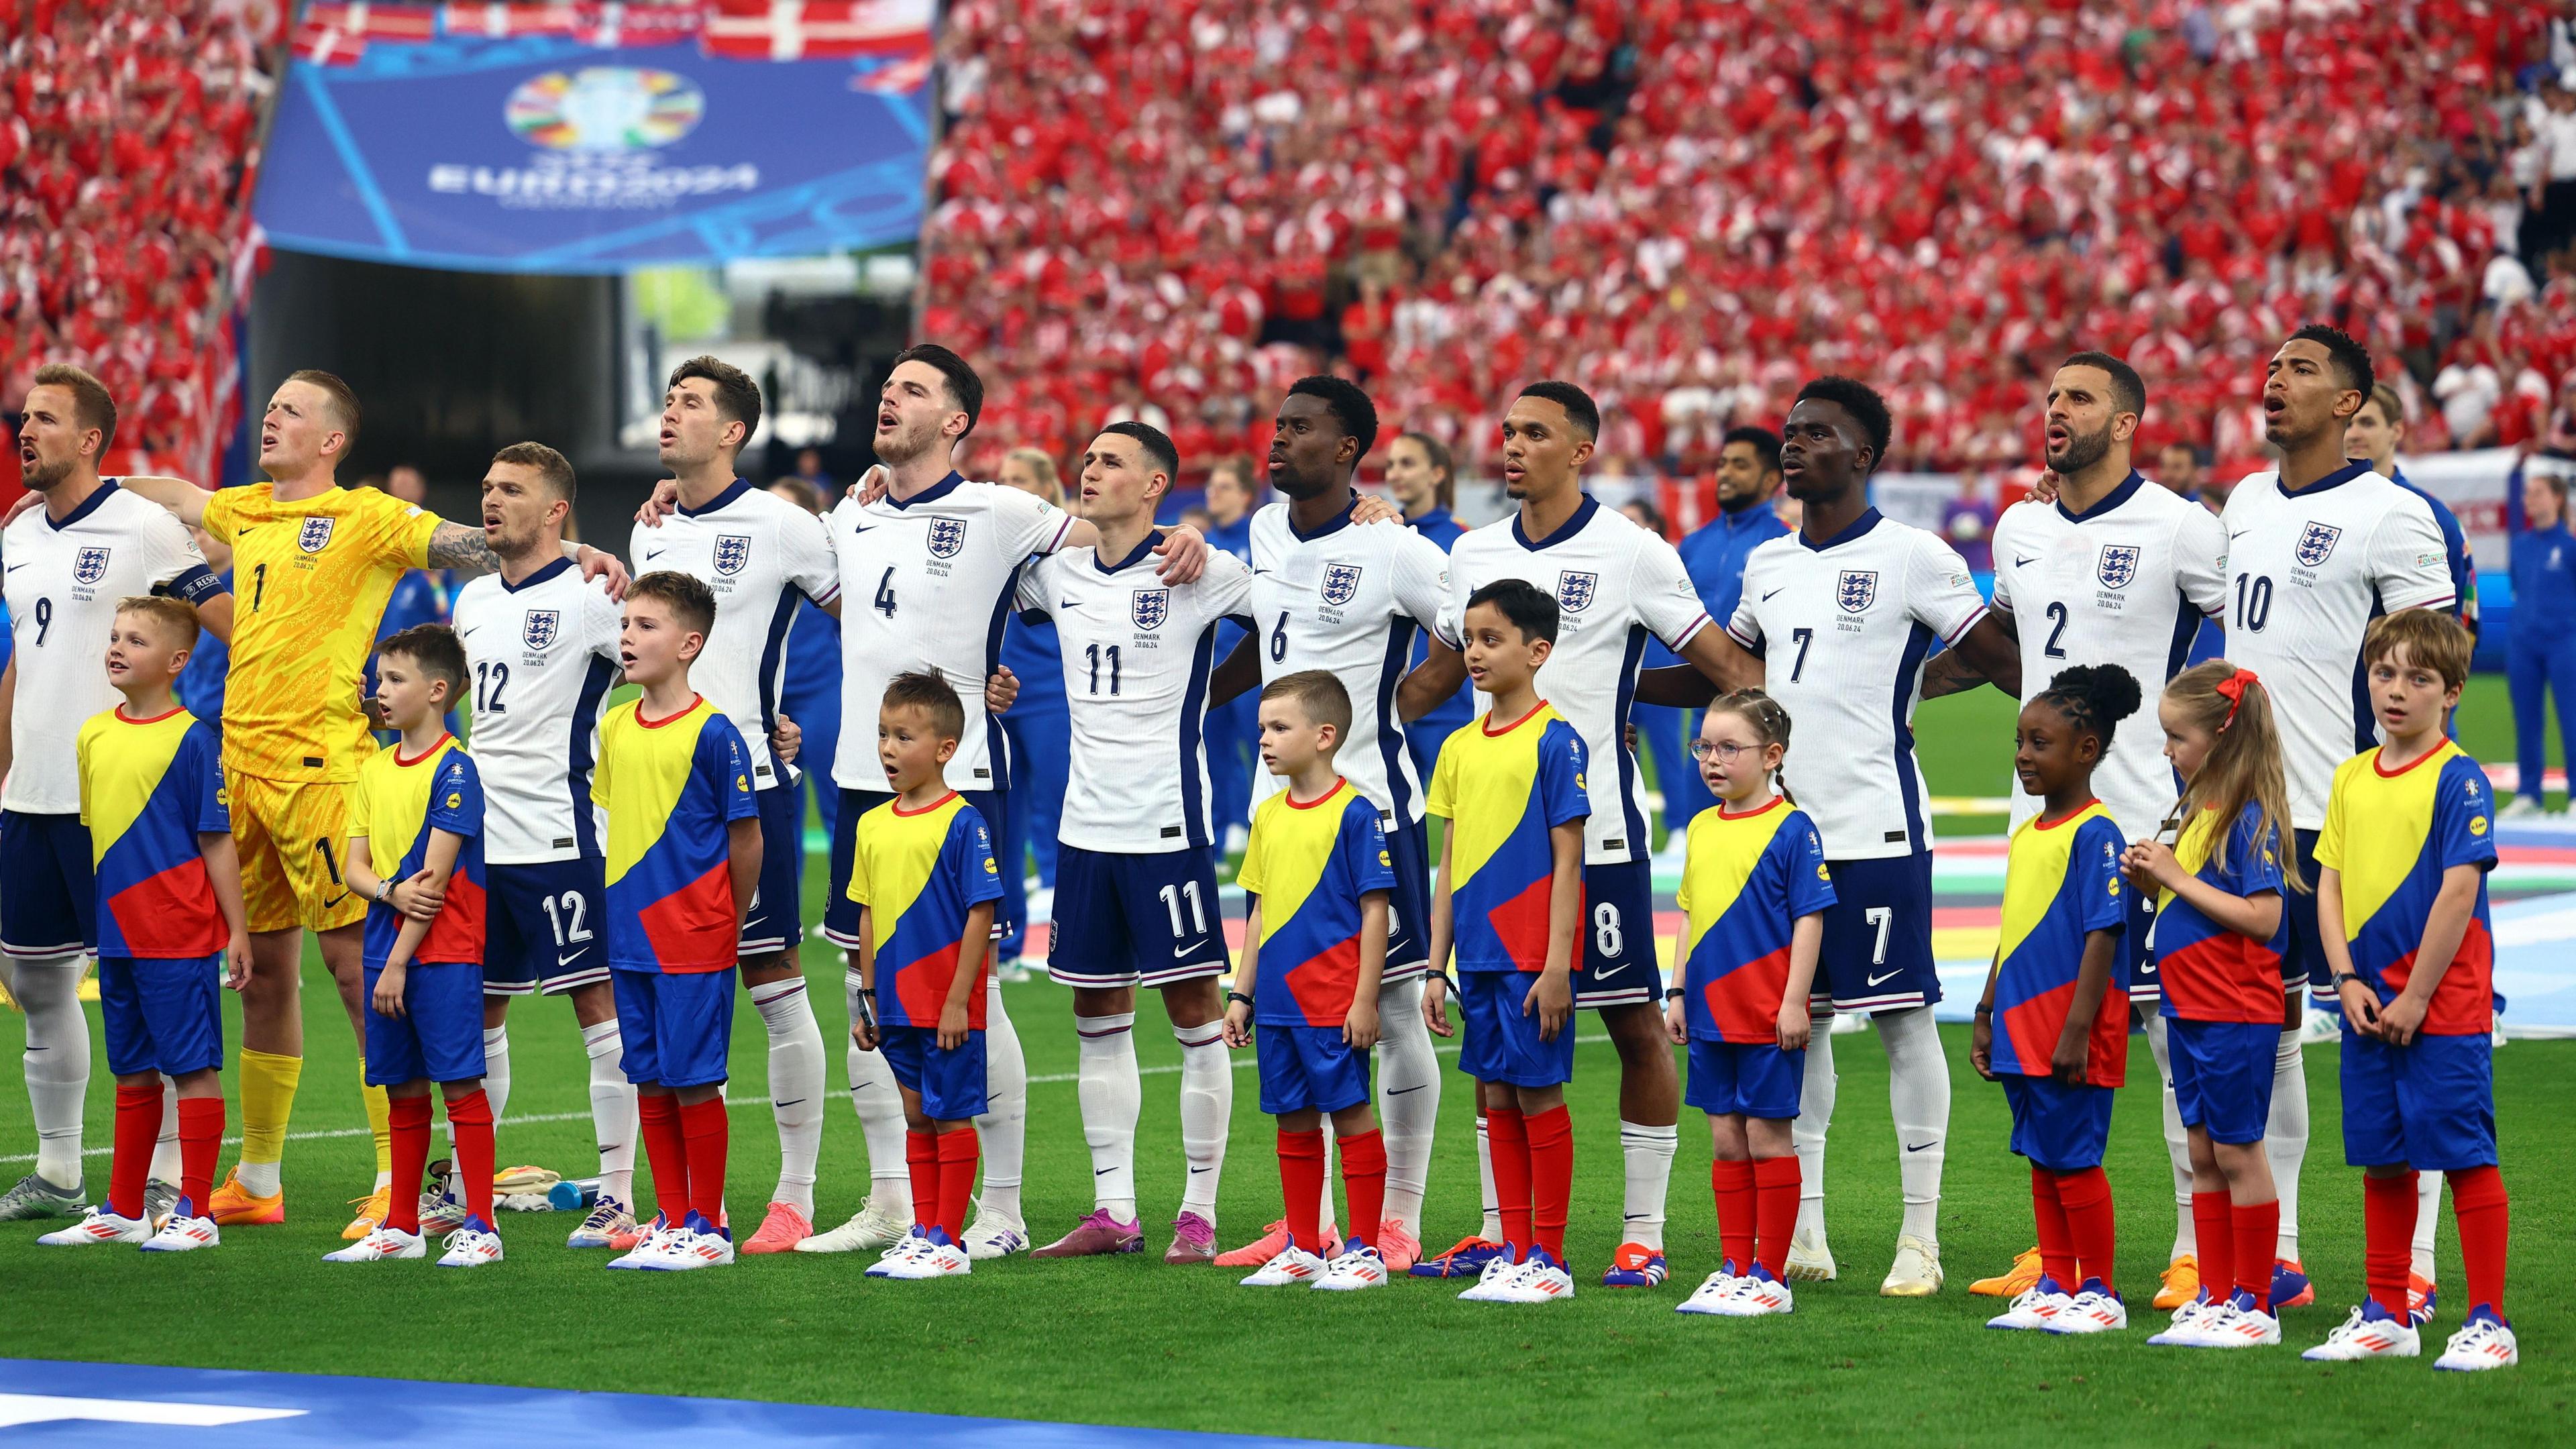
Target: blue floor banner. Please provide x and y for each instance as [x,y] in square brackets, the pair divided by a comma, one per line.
[44,1403]
[440,137]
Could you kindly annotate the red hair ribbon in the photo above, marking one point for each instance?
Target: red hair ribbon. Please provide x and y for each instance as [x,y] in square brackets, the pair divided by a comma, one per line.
[2232,689]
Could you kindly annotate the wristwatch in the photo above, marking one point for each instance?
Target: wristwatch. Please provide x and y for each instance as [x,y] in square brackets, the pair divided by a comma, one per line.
[1674,993]
[1233,996]
[2341,977]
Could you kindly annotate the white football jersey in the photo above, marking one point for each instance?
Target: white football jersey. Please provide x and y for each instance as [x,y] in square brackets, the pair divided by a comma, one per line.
[62,582]
[1843,628]
[930,581]
[2127,583]
[1615,583]
[1137,654]
[1347,600]
[758,552]
[2306,573]
[540,660]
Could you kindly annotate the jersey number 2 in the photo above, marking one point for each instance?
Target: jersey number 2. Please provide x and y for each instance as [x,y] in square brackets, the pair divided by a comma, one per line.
[2056,631]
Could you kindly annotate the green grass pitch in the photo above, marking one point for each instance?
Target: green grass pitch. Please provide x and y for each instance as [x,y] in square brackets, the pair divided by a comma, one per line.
[1131,1341]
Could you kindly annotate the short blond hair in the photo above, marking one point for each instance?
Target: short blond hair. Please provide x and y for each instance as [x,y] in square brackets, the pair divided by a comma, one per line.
[161,608]
[1321,694]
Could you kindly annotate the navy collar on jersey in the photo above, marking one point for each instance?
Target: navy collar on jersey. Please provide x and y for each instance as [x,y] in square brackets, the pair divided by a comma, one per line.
[1432,519]
[1868,520]
[1334,524]
[733,490]
[931,494]
[1152,541]
[2127,490]
[2358,469]
[1582,515]
[534,579]
[87,507]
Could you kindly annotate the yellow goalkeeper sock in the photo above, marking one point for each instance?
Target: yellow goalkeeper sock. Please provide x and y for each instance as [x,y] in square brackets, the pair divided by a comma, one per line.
[267,1100]
[380,1122]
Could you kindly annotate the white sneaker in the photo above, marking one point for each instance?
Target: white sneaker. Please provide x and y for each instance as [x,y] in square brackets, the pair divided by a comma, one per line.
[697,1244]
[608,1216]
[2320,1026]
[1499,1270]
[941,1259]
[995,1235]
[2038,1303]
[1916,1273]
[2096,1309]
[471,1246]
[1810,1260]
[2371,1332]
[380,1244]
[184,1234]
[100,1225]
[1540,1280]
[1292,1265]
[1712,1295]
[2237,1325]
[873,1226]
[1355,1269]
[1759,1295]
[654,1242]
[2187,1324]
[2484,1342]
[2521,806]
[892,1262]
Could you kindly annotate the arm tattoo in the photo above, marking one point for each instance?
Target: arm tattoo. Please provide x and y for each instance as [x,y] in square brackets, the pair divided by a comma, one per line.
[1950,673]
[456,546]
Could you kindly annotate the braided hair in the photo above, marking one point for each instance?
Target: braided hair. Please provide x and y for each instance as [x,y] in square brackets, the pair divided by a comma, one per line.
[2093,697]
[1770,721]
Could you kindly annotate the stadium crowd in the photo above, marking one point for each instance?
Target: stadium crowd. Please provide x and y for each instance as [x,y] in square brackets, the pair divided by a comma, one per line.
[126,131]
[1700,204]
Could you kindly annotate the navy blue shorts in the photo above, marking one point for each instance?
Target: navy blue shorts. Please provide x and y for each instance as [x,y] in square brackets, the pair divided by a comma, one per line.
[439,1037]
[2429,1104]
[1309,1069]
[1408,906]
[1503,1045]
[776,920]
[841,914]
[48,890]
[167,1015]
[2222,1076]
[1745,1079]
[1617,936]
[1877,952]
[950,1082]
[545,927]
[1135,920]
[2145,986]
[2305,960]
[677,1026]
[2059,1127]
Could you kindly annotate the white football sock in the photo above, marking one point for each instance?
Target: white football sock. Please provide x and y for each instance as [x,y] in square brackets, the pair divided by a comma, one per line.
[878,1099]
[795,1086]
[57,1060]
[1807,1129]
[1647,1153]
[1332,1173]
[1207,1110]
[612,1110]
[1111,1095]
[2177,1137]
[2285,1136]
[166,1165]
[1004,1127]
[1408,1075]
[1492,1231]
[1918,1096]
[496,1069]
[2428,1210]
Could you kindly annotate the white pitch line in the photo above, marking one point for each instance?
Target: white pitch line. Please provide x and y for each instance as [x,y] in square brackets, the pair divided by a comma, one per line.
[1241,1064]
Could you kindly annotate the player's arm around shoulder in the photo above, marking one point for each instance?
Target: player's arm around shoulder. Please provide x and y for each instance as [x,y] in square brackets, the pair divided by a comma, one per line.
[191,504]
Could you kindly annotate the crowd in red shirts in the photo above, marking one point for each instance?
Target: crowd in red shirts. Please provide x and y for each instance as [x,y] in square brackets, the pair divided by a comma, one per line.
[125,130]
[1171,209]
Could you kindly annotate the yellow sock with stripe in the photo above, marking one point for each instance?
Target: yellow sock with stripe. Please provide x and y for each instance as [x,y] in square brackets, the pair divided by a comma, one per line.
[380,1123]
[267,1100]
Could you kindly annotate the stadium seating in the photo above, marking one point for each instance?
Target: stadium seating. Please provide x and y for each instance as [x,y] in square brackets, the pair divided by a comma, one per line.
[126,133]
[1690,206]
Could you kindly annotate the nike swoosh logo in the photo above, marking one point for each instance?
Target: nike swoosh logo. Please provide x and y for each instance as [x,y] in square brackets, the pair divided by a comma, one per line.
[1400,1091]
[1102,1171]
[1920,1146]
[1766,598]
[1195,1171]
[1180,951]
[467,633]
[2022,563]
[654,554]
[1067,604]
[2240,533]
[783,1106]
[13,568]
[335,900]
[238,532]
[1890,976]
[562,961]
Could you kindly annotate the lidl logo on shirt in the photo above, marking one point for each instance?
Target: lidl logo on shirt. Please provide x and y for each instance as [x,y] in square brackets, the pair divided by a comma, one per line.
[455,801]
[2478,825]
[742,783]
